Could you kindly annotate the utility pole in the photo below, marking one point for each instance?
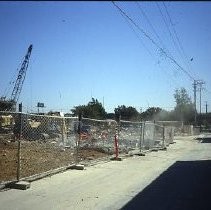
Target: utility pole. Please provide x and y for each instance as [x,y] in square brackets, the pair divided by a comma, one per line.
[200,89]
[195,84]
[206,106]
[194,90]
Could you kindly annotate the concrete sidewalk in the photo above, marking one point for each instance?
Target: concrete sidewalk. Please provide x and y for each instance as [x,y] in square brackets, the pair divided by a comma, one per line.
[108,185]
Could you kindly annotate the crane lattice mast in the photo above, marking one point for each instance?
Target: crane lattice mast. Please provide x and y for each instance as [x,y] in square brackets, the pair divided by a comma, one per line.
[21,77]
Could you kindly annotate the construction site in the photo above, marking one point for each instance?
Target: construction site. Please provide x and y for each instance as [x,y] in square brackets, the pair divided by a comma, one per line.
[105,105]
[40,136]
[35,144]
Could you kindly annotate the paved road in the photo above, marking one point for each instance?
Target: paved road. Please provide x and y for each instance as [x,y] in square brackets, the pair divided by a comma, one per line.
[178,178]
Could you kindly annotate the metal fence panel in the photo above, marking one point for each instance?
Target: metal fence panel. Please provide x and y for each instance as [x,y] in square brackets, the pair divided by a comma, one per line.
[152,137]
[169,135]
[148,136]
[31,144]
[159,137]
[96,138]
[8,146]
[129,135]
[45,144]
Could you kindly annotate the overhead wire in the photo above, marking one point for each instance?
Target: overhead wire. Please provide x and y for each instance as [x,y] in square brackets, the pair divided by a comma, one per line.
[137,35]
[150,24]
[172,25]
[155,43]
[176,45]
[149,52]
[169,31]
[153,57]
[186,60]
[158,37]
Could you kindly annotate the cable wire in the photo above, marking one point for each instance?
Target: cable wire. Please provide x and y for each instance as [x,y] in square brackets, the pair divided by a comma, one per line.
[186,61]
[150,24]
[155,43]
[149,52]
[170,33]
[156,34]
[137,35]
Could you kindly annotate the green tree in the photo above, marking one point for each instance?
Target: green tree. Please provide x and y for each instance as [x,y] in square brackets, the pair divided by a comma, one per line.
[184,109]
[151,113]
[93,109]
[127,113]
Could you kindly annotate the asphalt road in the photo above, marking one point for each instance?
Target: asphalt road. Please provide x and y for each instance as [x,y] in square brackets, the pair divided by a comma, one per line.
[178,178]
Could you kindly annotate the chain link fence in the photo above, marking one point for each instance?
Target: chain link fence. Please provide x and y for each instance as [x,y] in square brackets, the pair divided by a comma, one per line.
[32,144]
[152,136]
[147,140]
[8,146]
[96,138]
[47,143]
[129,134]
[169,135]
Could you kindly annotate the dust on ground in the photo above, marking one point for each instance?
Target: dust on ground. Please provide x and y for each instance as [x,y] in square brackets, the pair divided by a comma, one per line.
[38,157]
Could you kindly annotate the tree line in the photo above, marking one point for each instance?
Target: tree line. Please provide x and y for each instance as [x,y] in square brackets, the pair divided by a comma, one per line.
[183,110]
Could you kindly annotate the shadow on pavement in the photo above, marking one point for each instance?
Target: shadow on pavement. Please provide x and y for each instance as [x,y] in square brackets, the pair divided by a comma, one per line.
[186,185]
[206,140]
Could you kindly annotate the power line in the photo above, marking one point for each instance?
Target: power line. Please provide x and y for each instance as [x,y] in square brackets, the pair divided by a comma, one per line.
[175,33]
[149,52]
[181,51]
[178,45]
[137,35]
[156,44]
[153,29]
[156,34]
[165,22]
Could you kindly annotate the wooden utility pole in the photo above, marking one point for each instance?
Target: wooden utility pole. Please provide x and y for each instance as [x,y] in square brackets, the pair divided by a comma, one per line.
[200,89]
[206,106]
[200,83]
[195,84]
[194,90]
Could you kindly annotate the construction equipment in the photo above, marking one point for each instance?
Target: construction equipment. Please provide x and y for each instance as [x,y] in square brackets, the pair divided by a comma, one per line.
[10,104]
[6,123]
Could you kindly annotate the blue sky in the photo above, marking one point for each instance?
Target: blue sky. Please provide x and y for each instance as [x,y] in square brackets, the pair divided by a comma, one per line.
[87,49]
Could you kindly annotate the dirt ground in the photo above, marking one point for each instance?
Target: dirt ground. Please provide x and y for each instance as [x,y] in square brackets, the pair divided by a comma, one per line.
[176,178]
[38,157]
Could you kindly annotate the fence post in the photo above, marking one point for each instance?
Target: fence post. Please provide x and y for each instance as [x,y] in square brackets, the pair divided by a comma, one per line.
[116,139]
[19,141]
[79,136]
[141,137]
[154,134]
[116,146]
[164,145]
[143,133]
[62,131]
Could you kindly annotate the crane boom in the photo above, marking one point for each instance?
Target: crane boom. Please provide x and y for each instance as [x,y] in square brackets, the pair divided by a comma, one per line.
[21,77]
